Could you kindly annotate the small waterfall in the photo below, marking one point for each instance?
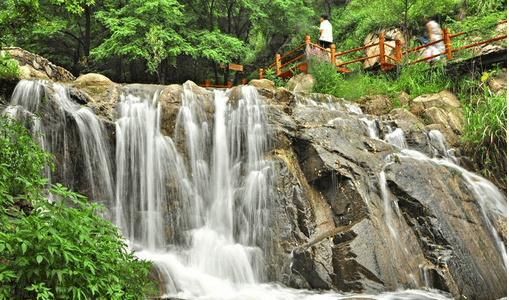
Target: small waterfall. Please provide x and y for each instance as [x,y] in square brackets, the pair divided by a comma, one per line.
[396,138]
[353,109]
[371,127]
[143,161]
[30,95]
[492,202]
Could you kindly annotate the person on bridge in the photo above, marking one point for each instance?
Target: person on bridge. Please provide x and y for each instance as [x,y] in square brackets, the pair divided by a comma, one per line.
[435,33]
[325,32]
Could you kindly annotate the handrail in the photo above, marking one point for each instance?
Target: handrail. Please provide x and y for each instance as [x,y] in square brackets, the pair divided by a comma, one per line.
[291,52]
[319,47]
[480,43]
[423,46]
[358,60]
[357,49]
[447,40]
[293,60]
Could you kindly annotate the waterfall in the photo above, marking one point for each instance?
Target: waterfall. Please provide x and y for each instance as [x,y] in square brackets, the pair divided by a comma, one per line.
[26,100]
[210,181]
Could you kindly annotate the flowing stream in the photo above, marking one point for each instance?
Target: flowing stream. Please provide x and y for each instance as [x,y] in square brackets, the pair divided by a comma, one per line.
[215,168]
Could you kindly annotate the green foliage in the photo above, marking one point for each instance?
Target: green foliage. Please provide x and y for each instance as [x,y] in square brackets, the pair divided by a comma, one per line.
[142,30]
[278,81]
[485,132]
[60,250]
[21,161]
[9,68]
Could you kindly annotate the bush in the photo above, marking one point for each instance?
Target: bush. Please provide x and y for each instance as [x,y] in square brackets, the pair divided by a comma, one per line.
[9,69]
[59,250]
[485,134]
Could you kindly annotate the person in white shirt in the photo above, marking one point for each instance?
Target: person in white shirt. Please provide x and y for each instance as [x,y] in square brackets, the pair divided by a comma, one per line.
[325,32]
[434,33]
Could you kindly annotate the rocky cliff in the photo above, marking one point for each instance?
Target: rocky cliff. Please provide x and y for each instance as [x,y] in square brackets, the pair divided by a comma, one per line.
[360,203]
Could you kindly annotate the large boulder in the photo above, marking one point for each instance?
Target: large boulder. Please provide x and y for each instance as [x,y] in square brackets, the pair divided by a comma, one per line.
[301,83]
[377,105]
[35,66]
[444,99]
[263,83]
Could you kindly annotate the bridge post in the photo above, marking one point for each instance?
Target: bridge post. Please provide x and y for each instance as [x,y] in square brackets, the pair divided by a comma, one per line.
[228,84]
[278,64]
[260,73]
[381,46]
[448,43]
[333,55]
[243,81]
[399,55]
[207,82]
[308,39]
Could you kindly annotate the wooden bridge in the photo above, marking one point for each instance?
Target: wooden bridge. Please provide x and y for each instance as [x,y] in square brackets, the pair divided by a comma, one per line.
[285,66]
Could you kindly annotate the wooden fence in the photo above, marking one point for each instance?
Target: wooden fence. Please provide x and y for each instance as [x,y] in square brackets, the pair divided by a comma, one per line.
[386,61]
[227,85]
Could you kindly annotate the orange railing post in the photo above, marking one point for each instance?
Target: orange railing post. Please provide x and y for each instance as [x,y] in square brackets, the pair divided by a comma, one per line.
[448,43]
[399,55]
[278,64]
[260,73]
[228,84]
[333,54]
[381,46]
[207,82]
[308,39]
[243,81]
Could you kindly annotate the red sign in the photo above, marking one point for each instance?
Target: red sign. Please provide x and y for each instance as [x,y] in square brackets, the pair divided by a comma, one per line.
[235,67]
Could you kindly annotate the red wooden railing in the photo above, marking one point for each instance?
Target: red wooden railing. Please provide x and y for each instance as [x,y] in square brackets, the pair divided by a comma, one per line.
[227,85]
[280,62]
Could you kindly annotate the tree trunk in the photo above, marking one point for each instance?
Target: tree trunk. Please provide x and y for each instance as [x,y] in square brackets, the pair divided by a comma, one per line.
[86,44]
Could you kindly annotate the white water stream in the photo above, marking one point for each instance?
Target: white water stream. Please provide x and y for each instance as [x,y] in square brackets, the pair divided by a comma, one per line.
[223,186]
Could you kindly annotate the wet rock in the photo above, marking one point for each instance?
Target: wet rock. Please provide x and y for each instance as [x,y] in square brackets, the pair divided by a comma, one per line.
[263,83]
[79,96]
[301,83]
[283,95]
[377,105]
[436,204]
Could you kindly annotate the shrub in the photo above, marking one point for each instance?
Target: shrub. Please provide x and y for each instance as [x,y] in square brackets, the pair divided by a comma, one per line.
[485,134]
[61,249]
[9,69]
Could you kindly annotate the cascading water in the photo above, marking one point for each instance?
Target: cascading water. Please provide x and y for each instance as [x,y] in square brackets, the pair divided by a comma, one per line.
[29,95]
[214,168]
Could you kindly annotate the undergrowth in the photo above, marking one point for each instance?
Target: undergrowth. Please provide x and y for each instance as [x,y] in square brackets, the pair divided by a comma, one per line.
[56,249]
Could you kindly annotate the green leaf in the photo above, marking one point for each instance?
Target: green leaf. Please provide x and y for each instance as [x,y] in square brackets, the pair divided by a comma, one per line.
[23,248]
[39,259]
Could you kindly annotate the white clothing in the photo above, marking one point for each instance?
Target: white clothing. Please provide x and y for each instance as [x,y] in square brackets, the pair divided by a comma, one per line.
[326,28]
[435,34]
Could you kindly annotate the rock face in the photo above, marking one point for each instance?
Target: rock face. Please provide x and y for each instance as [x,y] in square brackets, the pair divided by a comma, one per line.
[35,66]
[301,83]
[348,211]
[329,211]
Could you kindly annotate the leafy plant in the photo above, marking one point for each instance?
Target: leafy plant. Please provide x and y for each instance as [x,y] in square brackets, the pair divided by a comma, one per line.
[60,249]
[9,68]
[485,133]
